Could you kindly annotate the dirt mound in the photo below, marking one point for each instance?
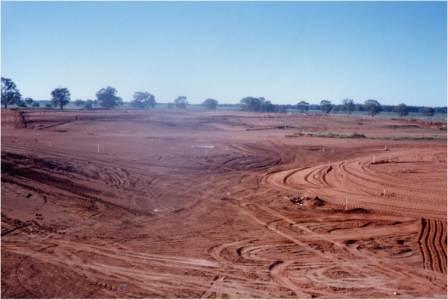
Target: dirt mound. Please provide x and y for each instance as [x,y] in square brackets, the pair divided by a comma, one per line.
[12,119]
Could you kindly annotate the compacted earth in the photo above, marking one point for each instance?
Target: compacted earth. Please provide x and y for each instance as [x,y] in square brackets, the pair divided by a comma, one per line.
[190,204]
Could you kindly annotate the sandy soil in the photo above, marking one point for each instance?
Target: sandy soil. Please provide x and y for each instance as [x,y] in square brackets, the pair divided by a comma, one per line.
[220,205]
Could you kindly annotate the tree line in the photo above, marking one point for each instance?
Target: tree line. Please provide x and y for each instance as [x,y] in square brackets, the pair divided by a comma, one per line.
[371,106]
[108,98]
[105,98]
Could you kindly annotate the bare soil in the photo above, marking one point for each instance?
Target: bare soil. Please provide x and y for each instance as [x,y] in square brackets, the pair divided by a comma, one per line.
[191,204]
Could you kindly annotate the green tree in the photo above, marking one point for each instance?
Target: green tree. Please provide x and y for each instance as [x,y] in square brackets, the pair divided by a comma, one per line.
[79,103]
[107,98]
[258,104]
[251,103]
[60,97]
[348,105]
[29,101]
[20,103]
[336,108]
[303,106]
[373,107]
[326,106]
[427,111]
[10,93]
[401,109]
[266,106]
[210,103]
[181,102]
[89,104]
[143,100]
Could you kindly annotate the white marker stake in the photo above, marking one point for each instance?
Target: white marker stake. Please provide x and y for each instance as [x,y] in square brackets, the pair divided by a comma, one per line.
[373,159]
[384,192]
[98,148]
[346,202]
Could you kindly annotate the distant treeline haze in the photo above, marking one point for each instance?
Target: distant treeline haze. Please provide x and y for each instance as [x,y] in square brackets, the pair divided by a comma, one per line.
[107,98]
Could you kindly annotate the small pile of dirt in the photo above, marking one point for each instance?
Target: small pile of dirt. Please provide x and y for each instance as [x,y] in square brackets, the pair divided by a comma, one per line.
[305,201]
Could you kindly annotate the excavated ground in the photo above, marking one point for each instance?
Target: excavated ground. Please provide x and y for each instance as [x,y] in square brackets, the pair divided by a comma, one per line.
[105,204]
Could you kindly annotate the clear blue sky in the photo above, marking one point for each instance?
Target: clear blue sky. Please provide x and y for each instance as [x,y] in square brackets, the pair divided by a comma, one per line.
[285,51]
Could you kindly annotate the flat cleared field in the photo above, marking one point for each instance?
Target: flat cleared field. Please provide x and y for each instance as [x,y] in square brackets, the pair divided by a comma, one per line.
[169,203]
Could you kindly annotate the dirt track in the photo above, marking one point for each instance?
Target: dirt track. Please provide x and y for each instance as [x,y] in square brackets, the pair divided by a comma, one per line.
[220,204]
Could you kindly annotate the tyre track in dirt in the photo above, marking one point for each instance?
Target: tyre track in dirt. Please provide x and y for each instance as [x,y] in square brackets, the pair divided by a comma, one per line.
[236,233]
[151,273]
[355,181]
[344,254]
[383,267]
[283,277]
[433,243]
[112,183]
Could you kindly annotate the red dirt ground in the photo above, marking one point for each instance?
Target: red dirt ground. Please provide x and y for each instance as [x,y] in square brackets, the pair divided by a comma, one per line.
[165,204]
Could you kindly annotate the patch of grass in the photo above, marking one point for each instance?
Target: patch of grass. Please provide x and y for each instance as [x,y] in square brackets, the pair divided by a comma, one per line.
[411,138]
[355,135]
[281,127]
[329,134]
